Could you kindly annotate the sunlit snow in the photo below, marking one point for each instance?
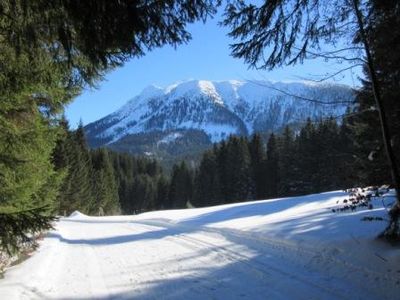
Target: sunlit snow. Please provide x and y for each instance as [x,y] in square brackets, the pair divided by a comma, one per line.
[289,248]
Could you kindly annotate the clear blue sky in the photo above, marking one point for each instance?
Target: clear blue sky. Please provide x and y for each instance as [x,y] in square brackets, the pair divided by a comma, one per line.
[206,56]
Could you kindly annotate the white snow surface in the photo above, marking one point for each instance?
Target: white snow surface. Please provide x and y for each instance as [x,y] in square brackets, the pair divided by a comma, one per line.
[289,248]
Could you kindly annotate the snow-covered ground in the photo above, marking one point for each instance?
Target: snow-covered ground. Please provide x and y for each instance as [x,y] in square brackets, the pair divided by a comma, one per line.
[289,248]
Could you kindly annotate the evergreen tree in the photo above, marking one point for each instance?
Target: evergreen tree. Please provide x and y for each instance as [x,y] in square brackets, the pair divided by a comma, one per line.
[206,184]
[348,175]
[143,194]
[162,192]
[49,52]
[276,33]
[328,156]
[105,186]
[181,188]
[383,34]
[81,167]
[72,156]
[221,154]
[141,183]
[308,158]
[238,177]
[288,166]
[272,168]
[258,166]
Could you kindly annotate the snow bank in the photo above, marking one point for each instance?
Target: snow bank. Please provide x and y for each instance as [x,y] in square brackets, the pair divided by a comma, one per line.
[77,215]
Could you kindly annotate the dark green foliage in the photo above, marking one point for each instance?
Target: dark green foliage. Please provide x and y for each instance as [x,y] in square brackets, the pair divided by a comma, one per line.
[308,153]
[18,227]
[225,174]
[49,51]
[102,182]
[71,156]
[290,175]
[275,33]
[161,199]
[26,143]
[372,167]
[284,32]
[272,168]
[377,125]
[320,157]
[238,176]
[207,188]
[105,189]
[258,166]
[383,34]
[347,175]
[181,187]
[221,152]
[141,183]
[142,193]
[315,160]
[86,38]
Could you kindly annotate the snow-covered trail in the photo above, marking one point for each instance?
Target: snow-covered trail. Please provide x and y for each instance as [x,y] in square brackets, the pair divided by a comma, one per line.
[211,253]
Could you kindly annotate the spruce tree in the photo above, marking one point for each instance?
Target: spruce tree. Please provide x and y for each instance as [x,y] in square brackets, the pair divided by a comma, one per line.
[258,166]
[49,52]
[207,190]
[143,194]
[290,175]
[162,192]
[327,158]
[106,191]
[276,33]
[181,188]
[71,156]
[348,175]
[238,175]
[221,154]
[272,168]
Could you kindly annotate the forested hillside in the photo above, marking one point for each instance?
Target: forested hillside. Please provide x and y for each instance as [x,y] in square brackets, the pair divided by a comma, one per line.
[321,156]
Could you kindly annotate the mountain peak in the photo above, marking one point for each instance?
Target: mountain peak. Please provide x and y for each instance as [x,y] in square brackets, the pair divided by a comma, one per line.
[191,88]
[151,91]
[219,108]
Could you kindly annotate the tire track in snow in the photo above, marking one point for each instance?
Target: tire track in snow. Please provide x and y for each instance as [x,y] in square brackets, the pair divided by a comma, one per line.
[262,270]
[322,261]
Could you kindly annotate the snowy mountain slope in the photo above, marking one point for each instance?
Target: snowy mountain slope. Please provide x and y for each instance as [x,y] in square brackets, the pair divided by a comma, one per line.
[218,109]
[290,248]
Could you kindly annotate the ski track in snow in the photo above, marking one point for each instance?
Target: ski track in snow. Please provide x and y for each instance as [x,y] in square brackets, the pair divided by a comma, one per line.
[222,252]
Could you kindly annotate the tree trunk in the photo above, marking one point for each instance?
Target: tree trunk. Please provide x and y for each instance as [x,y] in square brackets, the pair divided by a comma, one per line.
[382,114]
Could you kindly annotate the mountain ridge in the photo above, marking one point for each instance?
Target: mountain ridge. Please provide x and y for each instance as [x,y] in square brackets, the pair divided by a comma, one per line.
[218,109]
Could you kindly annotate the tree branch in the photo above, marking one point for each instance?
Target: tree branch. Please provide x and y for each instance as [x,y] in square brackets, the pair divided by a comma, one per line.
[335,74]
[301,97]
[329,54]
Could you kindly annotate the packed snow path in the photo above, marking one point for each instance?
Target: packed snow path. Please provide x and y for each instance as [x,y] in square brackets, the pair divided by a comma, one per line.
[293,248]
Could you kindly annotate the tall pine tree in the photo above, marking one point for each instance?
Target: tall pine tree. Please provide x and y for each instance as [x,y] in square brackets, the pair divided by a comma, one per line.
[272,168]
[105,187]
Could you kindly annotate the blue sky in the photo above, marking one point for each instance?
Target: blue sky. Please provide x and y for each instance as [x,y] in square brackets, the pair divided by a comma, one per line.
[206,56]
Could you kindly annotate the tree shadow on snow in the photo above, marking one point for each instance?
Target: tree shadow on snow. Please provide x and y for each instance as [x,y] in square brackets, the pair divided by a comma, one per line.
[225,273]
[257,208]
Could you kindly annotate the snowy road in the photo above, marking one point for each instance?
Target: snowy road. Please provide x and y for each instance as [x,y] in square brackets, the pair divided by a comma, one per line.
[211,253]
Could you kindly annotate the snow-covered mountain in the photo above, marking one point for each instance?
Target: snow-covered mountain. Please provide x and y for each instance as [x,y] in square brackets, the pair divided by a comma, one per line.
[215,110]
